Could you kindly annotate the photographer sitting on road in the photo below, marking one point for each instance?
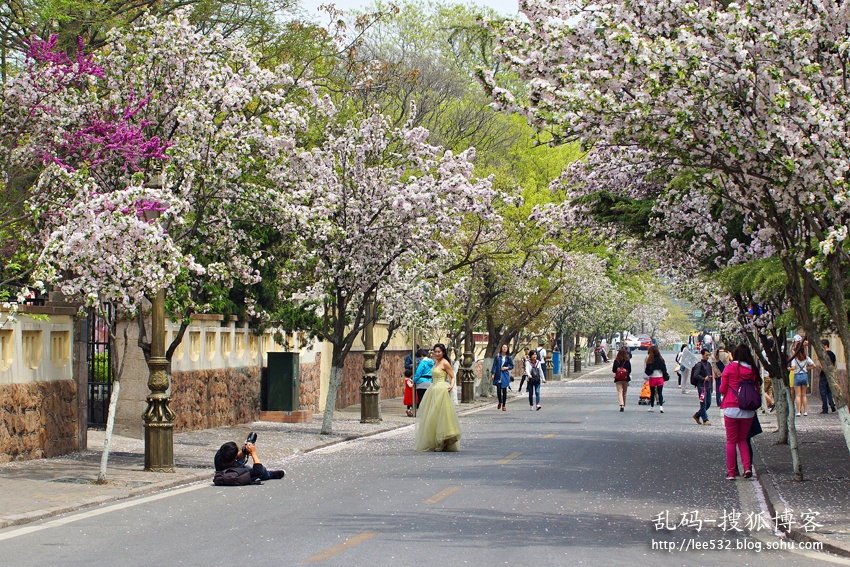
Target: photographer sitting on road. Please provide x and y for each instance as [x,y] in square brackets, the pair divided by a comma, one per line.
[230,468]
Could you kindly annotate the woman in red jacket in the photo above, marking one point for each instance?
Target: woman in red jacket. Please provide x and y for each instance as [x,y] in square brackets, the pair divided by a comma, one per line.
[737,421]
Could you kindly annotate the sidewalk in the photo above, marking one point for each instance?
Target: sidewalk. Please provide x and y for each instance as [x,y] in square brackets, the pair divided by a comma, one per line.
[38,489]
[826,469]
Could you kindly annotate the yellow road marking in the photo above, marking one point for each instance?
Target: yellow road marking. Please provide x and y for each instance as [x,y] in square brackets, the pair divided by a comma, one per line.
[549,436]
[442,495]
[509,458]
[339,548]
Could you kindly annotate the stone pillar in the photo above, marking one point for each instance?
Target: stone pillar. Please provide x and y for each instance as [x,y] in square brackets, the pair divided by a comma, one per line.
[370,388]
[159,418]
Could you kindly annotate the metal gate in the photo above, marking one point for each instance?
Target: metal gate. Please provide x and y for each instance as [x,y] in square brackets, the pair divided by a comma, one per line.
[99,364]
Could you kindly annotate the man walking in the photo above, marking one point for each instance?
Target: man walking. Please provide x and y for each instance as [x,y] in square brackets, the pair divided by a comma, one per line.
[825,391]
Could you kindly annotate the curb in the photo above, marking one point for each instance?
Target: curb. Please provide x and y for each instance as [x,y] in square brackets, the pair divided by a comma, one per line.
[772,498]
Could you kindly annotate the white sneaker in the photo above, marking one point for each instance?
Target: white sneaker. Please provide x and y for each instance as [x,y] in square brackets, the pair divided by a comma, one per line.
[661,409]
[650,409]
[531,408]
[799,414]
[805,413]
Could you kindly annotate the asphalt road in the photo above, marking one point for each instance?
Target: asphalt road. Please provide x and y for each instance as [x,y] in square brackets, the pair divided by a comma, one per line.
[575,483]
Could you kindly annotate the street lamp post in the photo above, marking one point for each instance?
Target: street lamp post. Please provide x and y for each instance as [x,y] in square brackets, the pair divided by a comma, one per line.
[370,388]
[158,417]
[466,373]
[577,357]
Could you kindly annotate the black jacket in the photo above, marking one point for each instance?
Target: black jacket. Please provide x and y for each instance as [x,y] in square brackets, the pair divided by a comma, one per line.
[700,373]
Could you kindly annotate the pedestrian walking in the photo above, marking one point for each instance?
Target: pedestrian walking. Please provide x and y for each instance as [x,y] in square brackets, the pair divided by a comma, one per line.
[736,419]
[534,369]
[622,375]
[719,361]
[679,368]
[823,383]
[800,366]
[656,371]
[524,377]
[702,377]
[500,375]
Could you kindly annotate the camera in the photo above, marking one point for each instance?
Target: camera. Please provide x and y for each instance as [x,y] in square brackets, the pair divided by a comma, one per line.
[252,439]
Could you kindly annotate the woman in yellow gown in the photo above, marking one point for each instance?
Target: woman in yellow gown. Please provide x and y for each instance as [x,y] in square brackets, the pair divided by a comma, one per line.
[437,426]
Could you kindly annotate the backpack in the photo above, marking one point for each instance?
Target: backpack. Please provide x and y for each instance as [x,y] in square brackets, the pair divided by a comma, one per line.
[694,377]
[621,375]
[748,395]
[232,476]
[536,375]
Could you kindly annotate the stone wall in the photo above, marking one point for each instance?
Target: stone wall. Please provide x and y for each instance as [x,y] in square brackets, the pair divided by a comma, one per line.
[310,384]
[37,420]
[391,375]
[211,398]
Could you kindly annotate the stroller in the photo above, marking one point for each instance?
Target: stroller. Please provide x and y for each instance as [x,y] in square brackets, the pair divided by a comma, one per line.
[644,394]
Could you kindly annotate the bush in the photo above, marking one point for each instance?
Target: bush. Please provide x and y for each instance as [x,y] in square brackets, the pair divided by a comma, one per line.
[99,368]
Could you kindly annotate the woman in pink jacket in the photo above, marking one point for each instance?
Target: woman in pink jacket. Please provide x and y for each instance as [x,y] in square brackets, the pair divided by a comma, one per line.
[737,421]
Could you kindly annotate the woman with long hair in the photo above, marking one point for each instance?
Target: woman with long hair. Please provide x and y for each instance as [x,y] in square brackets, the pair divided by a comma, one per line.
[656,371]
[534,369]
[621,379]
[737,420]
[500,375]
[437,426]
[800,366]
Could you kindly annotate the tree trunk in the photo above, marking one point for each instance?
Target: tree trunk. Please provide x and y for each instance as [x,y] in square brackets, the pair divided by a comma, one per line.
[782,403]
[330,399]
[485,388]
[107,438]
[796,466]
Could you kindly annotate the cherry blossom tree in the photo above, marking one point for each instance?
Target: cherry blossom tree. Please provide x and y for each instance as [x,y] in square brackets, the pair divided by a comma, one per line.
[357,205]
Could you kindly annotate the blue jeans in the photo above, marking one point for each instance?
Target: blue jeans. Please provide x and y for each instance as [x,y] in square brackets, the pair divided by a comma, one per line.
[532,390]
[704,404]
[825,394]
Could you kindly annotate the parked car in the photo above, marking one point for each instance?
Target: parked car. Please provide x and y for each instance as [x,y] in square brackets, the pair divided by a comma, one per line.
[645,341]
[631,342]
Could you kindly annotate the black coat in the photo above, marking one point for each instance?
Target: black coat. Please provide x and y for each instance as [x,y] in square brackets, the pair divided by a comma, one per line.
[657,364]
[700,373]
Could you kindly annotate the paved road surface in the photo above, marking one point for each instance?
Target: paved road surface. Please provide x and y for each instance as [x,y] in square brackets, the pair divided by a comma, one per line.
[577,483]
